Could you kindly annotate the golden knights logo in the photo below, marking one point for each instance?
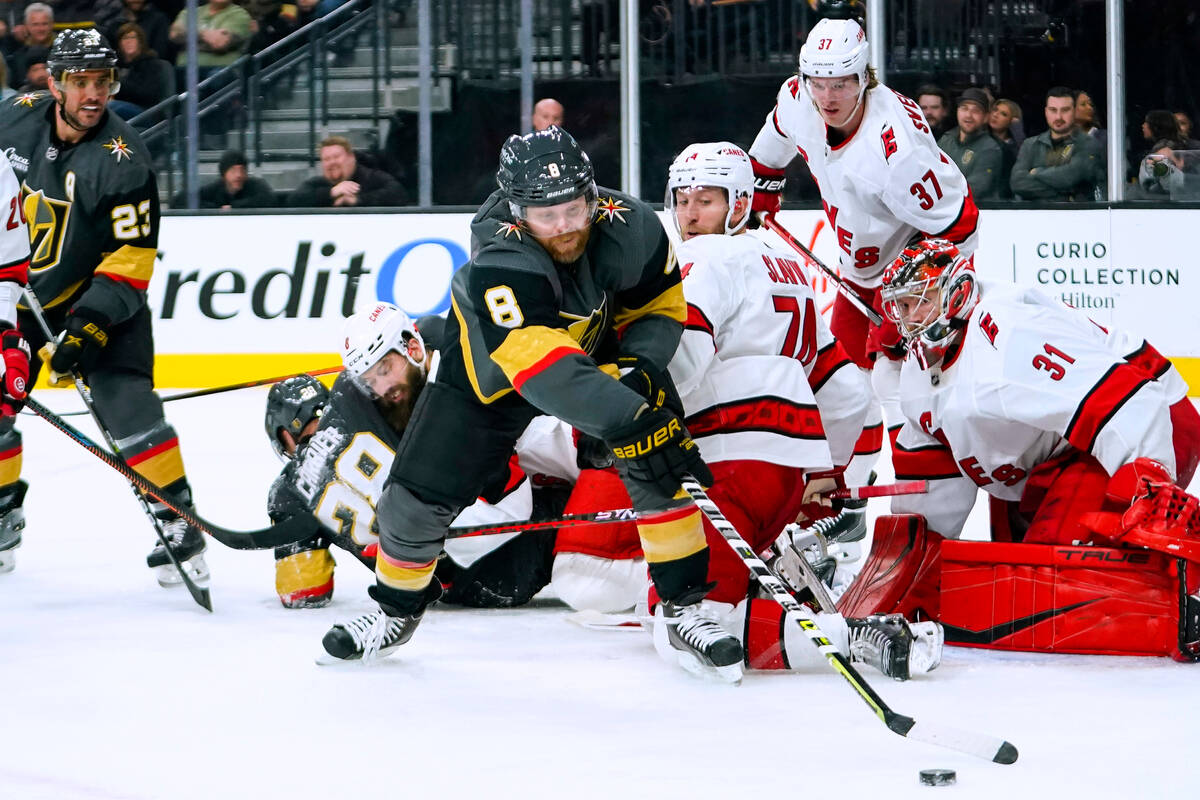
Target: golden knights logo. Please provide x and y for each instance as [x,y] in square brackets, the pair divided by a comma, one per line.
[587,329]
[610,208]
[48,220]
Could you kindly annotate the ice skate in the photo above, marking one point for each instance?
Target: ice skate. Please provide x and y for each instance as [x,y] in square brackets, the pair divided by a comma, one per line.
[12,522]
[688,630]
[188,545]
[367,637]
[897,648]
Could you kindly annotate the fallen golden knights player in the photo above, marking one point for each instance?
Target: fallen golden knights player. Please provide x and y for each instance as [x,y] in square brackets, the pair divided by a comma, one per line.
[558,268]
[91,200]
[339,446]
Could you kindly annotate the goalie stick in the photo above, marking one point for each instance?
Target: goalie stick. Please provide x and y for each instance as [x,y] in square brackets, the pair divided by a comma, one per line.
[768,221]
[293,529]
[976,744]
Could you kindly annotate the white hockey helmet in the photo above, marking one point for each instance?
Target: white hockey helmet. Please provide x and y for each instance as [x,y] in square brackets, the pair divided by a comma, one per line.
[372,334]
[835,48]
[721,165]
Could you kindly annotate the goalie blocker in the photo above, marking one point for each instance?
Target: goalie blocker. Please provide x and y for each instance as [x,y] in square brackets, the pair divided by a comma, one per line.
[1032,597]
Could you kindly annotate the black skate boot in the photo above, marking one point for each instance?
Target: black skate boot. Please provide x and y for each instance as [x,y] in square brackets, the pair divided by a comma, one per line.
[688,629]
[377,634]
[12,522]
[188,545]
[897,648]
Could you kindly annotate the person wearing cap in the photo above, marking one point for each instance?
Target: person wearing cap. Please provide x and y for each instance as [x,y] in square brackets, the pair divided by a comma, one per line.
[37,75]
[973,148]
[234,188]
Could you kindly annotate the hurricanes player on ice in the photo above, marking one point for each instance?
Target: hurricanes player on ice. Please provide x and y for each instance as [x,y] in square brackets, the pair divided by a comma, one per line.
[1059,419]
[883,181]
[91,199]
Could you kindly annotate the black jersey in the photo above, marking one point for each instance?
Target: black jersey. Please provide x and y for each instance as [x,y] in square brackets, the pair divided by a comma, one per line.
[92,208]
[520,322]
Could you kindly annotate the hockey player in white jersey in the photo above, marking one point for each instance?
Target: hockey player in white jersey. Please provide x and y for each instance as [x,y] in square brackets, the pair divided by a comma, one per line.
[1008,390]
[774,404]
[14,350]
[882,180]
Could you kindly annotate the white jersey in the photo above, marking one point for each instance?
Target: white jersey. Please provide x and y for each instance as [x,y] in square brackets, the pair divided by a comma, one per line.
[880,187]
[760,375]
[14,244]
[1033,379]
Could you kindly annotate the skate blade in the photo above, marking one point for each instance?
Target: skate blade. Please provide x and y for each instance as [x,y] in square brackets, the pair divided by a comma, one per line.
[197,569]
[731,675]
[326,660]
[599,621]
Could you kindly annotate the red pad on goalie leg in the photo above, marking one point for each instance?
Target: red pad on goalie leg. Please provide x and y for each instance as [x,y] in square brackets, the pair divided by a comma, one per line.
[900,575]
[1060,599]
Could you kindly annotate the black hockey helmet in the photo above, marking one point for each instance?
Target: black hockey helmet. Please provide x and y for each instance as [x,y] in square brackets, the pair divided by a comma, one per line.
[79,50]
[292,404]
[544,168]
[842,9]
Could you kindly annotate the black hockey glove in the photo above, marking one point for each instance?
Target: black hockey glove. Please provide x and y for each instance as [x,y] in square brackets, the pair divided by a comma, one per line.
[84,335]
[655,448]
[652,383]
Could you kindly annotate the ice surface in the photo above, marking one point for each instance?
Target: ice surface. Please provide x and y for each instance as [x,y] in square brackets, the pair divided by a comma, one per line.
[112,687]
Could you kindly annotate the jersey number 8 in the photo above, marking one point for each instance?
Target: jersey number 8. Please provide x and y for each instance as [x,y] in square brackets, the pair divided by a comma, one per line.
[503,304]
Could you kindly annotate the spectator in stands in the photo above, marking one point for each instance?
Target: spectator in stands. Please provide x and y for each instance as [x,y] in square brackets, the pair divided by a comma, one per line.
[1185,129]
[272,20]
[1062,163]
[146,80]
[9,43]
[224,32]
[971,145]
[1086,118]
[152,20]
[37,74]
[39,35]
[345,182]
[547,112]
[1167,170]
[1004,122]
[935,103]
[6,91]
[234,188]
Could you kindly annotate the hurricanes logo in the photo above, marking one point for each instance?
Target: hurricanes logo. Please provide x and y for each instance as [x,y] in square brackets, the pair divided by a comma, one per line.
[587,329]
[48,220]
[610,208]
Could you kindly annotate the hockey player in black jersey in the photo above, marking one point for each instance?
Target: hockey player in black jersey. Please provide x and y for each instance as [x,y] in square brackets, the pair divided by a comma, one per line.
[91,200]
[565,281]
[343,444]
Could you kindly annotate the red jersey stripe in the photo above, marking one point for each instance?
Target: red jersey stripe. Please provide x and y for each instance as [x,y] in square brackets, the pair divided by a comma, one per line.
[765,414]
[1119,384]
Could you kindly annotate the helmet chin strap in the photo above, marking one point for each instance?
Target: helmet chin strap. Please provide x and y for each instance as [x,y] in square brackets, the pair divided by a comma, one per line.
[69,118]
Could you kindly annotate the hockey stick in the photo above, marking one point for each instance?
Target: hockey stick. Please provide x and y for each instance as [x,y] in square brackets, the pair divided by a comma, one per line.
[292,530]
[976,744]
[199,593]
[768,221]
[629,515]
[231,387]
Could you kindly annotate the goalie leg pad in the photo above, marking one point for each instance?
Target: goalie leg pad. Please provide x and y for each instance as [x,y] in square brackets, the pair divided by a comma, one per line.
[305,579]
[591,583]
[1061,599]
[901,573]
[1059,493]
[1185,425]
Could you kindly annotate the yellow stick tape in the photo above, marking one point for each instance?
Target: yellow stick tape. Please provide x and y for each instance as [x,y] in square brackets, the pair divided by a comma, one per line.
[208,370]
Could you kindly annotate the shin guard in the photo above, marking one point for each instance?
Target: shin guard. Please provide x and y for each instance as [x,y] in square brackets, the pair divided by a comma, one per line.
[901,573]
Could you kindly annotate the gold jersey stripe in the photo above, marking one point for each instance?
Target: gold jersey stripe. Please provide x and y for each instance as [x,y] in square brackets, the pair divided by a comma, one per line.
[164,468]
[403,575]
[311,569]
[669,304]
[464,340]
[134,265]
[524,349]
[10,466]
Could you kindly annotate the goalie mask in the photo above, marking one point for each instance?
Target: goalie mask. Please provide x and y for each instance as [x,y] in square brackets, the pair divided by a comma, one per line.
[721,165]
[547,168]
[836,48]
[291,405]
[929,291]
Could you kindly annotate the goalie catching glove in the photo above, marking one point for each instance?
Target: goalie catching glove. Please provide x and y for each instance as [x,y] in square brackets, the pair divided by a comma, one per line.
[1162,516]
[655,448]
[15,352]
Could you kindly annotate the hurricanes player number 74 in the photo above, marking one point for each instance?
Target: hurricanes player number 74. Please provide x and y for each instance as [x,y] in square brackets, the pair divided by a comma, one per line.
[785,304]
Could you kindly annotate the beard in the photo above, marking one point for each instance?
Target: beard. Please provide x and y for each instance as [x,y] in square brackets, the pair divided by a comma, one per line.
[568,247]
[397,413]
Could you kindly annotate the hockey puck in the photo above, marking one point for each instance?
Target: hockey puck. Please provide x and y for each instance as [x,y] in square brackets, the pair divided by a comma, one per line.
[938,777]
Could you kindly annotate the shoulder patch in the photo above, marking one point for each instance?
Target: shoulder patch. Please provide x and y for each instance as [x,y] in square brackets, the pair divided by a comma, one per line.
[609,209]
[793,85]
[888,137]
[118,148]
[509,227]
[27,99]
